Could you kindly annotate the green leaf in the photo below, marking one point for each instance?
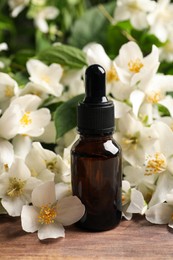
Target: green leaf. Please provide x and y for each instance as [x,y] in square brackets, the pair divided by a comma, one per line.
[146,40]
[42,41]
[65,55]
[163,110]
[22,56]
[115,39]
[125,25]
[21,78]
[92,26]
[65,115]
[166,68]
[6,23]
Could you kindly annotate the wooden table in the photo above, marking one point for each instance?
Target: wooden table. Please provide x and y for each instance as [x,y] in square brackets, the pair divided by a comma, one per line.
[136,239]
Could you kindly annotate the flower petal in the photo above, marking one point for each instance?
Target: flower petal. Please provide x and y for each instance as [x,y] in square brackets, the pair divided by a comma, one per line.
[70,210]
[136,98]
[22,145]
[27,102]
[121,109]
[51,231]
[44,194]
[29,219]
[96,54]
[159,213]
[46,175]
[4,183]
[125,185]
[62,190]
[6,153]
[164,186]
[165,133]
[19,170]
[13,206]
[137,204]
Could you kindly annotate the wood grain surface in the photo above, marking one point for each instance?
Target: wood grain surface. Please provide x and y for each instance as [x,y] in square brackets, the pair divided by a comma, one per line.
[136,239]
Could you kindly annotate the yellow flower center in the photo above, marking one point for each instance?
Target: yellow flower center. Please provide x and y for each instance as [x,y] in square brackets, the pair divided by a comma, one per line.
[155,164]
[26,119]
[154,97]
[15,188]
[123,199]
[131,141]
[9,91]
[46,78]
[6,168]
[51,165]
[112,75]
[47,214]
[135,65]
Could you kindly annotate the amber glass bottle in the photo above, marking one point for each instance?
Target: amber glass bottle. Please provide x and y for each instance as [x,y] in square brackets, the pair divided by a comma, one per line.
[96,157]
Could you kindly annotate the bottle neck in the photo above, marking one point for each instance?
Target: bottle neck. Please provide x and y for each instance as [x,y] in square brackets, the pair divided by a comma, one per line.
[96,136]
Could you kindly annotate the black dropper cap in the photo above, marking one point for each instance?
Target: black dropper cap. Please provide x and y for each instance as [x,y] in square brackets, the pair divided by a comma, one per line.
[96,112]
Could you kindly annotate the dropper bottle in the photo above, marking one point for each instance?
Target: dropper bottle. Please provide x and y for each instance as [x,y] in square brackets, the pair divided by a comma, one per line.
[96,157]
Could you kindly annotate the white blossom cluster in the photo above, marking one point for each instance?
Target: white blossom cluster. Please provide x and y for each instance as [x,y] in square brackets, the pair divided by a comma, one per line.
[29,173]
[146,137]
[156,16]
[35,182]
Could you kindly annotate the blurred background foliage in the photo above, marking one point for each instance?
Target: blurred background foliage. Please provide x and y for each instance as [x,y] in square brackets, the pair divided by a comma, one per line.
[78,23]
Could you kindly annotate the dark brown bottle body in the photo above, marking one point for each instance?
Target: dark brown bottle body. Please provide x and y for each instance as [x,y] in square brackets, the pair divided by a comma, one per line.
[96,180]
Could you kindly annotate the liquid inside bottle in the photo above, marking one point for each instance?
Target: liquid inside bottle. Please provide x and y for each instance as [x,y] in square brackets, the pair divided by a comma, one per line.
[96,180]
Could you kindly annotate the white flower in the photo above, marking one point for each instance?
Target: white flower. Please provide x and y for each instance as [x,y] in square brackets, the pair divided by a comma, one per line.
[156,169]
[47,13]
[73,78]
[145,101]
[135,10]
[16,186]
[66,141]
[62,190]
[166,51]
[46,78]
[132,201]
[134,138]
[6,155]
[3,46]
[21,145]
[21,117]
[121,108]
[137,70]
[162,213]
[46,165]
[95,53]
[49,135]
[137,177]
[163,186]
[32,88]
[8,89]
[49,216]
[17,6]
[160,20]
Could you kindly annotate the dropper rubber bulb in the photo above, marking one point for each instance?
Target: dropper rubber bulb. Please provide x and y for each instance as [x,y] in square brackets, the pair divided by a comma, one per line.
[95,84]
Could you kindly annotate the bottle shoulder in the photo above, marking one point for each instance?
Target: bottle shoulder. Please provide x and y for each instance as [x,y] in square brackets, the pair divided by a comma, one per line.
[100,146]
